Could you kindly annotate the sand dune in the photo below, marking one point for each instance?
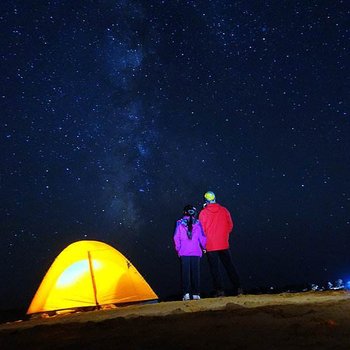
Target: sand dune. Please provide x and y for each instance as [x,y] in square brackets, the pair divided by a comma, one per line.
[310,320]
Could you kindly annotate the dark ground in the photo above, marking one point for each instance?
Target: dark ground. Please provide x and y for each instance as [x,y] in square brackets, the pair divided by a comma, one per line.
[301,321]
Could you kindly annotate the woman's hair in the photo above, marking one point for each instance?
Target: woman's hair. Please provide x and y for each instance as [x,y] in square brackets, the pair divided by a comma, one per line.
[190,211]
[189,227]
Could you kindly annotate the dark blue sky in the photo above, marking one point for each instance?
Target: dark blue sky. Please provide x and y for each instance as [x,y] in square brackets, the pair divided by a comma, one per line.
[116,114]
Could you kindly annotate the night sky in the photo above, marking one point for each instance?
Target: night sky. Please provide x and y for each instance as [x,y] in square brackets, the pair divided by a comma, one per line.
[116,114]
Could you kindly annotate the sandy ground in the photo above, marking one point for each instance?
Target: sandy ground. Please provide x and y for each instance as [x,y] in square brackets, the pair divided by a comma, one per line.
[310,320]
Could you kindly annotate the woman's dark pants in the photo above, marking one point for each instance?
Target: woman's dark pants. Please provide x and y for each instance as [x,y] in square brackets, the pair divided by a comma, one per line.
[190,271]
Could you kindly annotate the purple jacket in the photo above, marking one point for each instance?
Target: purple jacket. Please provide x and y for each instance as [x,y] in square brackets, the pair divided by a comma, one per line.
[186,246]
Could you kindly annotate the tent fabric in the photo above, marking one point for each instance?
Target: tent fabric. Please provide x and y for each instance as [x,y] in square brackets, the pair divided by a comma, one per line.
[90,273]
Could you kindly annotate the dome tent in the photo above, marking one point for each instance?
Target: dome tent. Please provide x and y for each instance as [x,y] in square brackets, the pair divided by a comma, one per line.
[90,274]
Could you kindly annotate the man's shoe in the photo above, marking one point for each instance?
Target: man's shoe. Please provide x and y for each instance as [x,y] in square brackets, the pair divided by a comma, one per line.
[196,297]
[236,292]
[186,297]
[219,293]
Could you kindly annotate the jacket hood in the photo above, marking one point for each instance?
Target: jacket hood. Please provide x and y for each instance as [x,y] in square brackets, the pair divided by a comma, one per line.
[213,207]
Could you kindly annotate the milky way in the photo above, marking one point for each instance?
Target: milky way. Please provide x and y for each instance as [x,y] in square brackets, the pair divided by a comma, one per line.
[116,114]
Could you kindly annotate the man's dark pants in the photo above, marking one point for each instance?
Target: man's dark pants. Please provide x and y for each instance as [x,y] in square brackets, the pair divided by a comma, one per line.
[225,257]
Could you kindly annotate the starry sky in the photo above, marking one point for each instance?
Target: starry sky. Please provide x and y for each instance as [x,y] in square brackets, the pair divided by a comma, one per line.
[116,114]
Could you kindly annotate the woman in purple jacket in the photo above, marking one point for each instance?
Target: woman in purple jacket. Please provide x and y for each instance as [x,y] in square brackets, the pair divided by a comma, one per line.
[190,241]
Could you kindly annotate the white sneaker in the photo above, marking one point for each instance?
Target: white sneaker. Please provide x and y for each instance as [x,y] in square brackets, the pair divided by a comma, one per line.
[186,297]
[196,297]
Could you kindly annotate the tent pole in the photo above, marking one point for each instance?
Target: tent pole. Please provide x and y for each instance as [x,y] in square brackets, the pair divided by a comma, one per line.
[93,280]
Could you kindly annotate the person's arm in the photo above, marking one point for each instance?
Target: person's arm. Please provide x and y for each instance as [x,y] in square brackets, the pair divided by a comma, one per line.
[229,221]
[202,238]
[202,220]
[177,239]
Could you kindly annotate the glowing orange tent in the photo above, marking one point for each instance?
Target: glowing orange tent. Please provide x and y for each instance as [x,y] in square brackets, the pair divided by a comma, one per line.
[89,273]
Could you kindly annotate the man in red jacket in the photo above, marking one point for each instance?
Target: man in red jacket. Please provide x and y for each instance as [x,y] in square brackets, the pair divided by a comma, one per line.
[217,225]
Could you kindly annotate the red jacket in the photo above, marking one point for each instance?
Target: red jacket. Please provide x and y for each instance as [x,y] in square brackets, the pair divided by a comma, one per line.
[217,225]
